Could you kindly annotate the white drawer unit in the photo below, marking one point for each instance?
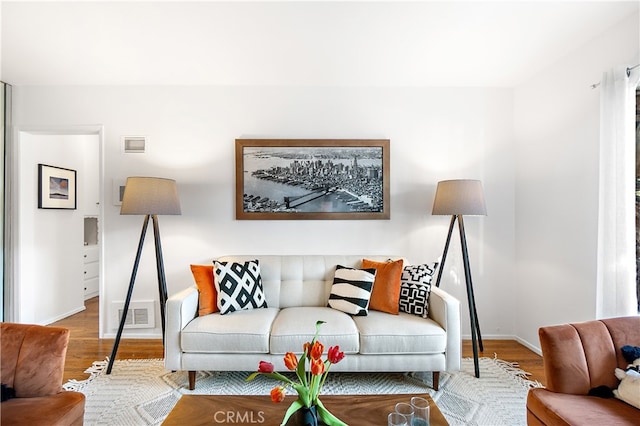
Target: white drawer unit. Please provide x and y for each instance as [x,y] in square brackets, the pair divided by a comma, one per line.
[90,254]
[91,271]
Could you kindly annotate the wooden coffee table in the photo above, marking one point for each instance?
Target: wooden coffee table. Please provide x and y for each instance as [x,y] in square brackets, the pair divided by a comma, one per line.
[355,410]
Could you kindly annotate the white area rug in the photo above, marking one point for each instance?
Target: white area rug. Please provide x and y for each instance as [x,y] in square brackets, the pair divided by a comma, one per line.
[142,392]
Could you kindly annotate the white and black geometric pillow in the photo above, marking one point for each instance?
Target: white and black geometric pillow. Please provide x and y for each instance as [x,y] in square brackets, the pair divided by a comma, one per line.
[351,290]
[415,287]
[239,286]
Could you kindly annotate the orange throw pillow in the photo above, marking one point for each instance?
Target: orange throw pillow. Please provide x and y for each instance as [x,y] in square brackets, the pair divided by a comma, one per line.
[385,296]
[207,295]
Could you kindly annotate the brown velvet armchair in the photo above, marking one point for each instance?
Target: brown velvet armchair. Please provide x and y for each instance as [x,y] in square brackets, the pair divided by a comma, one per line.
[577,358]
[32,362]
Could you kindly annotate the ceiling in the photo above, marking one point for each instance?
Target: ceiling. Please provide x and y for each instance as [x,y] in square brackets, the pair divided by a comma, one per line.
[350,43]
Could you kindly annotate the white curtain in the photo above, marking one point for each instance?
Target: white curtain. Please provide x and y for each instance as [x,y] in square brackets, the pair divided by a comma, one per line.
[616,282]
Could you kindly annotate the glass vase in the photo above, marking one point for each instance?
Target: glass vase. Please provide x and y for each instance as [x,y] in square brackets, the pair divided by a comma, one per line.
[309,416]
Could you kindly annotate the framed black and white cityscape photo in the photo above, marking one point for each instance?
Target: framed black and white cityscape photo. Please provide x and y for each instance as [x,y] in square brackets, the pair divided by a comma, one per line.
[312,179]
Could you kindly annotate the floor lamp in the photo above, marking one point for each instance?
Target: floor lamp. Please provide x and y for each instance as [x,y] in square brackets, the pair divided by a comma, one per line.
[148,196]
[458,198]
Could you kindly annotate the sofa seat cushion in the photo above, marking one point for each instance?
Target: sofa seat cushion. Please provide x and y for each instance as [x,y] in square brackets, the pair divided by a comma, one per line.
[236,332]
[382,333]
[552,408]
[295,326]
[61,409]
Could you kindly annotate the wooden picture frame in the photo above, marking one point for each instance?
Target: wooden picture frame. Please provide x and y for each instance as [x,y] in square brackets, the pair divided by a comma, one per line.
[57,188]
[312,179]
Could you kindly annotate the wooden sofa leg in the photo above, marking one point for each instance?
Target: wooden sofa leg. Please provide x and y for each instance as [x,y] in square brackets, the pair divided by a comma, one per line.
[192,380]
[436,380]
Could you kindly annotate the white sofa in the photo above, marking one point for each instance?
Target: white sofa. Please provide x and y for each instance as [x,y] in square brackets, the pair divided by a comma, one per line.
[297,289]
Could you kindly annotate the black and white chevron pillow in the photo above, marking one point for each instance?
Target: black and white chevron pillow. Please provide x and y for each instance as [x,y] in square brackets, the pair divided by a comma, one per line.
[239,286]
[415,288]
[351,290]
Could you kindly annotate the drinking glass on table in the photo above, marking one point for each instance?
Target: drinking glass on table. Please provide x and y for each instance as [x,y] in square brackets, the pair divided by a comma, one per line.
[406,410]
[420,411]
[397,419]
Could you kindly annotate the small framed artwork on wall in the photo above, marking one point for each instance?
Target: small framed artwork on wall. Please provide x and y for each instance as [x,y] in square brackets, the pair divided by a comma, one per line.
[313,179]
[56,188]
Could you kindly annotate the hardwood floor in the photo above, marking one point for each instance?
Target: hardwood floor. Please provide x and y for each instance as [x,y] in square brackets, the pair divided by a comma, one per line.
[85,347]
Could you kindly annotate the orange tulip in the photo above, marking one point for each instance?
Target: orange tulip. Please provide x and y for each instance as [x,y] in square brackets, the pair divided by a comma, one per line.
[317,350]
[290,361]
[307,348]
[277,394]
[317,367]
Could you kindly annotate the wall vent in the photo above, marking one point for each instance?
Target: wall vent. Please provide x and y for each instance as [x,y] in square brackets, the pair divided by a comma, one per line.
[135,144]
[141,314]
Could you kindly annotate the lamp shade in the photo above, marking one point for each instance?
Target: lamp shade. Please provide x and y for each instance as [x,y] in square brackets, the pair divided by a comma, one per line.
[459,197]
[150,195]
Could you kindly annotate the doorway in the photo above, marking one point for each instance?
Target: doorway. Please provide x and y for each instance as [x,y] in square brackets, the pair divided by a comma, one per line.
[50,245]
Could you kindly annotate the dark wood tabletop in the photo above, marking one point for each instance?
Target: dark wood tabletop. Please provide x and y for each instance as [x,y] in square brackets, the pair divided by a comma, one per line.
[355,410]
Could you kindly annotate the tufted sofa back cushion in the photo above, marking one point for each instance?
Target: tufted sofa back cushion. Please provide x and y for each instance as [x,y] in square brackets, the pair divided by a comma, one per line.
[301,280]
[33,358]
[581,356]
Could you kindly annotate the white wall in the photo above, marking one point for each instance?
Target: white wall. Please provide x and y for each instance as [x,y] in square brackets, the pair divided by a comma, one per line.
[532,257]
[435,133]
[51,241]
[557,133]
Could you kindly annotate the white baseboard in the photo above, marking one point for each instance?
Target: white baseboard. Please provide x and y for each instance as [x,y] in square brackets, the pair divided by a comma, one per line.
[523,342]
[532,347]
[62,316]
[91,295]
[128,335]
